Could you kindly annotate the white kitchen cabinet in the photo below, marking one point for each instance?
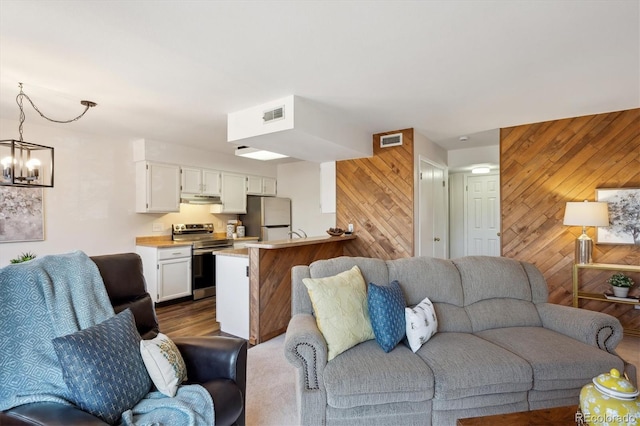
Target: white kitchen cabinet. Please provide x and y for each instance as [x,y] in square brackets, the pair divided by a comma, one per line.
[328,187]
[254,185]
[157,187]
[167,271]
[200,181]
[233,194]
[269,186]
[232,294]
[258,185]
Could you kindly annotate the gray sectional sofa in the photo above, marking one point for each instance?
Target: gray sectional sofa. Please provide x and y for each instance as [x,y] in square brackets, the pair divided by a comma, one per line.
[500,347]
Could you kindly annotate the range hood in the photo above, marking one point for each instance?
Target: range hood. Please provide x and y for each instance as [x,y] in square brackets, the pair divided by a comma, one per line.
[199,199]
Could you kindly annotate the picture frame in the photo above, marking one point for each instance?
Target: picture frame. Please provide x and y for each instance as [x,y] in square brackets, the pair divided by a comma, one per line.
[21,214]
[624,207]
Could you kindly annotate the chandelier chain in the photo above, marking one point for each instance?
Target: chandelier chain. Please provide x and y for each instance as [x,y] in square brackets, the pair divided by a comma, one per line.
[19,100]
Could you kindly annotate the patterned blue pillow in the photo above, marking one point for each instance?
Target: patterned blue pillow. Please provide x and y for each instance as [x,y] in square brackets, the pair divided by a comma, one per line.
[386,311]
[103,368]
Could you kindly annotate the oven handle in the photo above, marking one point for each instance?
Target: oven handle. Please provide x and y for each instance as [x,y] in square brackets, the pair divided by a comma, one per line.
[197,252]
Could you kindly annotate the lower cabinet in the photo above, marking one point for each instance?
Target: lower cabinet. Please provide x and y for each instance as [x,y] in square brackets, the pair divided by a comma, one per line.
[232,294]
[167,271]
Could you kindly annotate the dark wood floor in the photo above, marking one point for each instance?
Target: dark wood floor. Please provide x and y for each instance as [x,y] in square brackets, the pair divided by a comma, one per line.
[190,318]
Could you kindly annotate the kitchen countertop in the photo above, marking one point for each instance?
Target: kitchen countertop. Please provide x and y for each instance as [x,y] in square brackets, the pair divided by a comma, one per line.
[242,252]
[296,242]
[166,241]
[161,241]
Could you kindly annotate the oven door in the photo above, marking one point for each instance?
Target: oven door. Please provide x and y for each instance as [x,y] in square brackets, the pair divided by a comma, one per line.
[204,272]
[203,277]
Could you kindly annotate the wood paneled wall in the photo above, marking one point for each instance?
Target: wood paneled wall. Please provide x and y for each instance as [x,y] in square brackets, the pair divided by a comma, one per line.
[376,195]
[544,165]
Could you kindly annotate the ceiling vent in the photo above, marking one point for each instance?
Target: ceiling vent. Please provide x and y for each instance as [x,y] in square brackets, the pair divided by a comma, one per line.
[273,115]
[391,140]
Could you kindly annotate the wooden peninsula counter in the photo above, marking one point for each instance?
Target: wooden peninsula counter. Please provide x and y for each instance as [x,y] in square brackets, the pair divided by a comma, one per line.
[270,264]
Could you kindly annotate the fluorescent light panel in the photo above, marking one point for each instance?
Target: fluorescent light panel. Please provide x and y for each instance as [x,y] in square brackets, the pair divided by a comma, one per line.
[258,154]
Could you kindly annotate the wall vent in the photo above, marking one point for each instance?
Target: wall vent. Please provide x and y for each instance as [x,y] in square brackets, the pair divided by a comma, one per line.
[273,115]
[391,140]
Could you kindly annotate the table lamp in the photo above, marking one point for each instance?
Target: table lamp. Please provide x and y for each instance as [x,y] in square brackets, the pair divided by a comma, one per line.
[585,214]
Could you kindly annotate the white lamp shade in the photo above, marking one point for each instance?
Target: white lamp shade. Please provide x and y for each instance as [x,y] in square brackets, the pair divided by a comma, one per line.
[586,214]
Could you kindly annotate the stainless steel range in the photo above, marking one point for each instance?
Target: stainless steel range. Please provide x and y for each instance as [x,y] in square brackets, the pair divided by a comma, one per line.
[205,244]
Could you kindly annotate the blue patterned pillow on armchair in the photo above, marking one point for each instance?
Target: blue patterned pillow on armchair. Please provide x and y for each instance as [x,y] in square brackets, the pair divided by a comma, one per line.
[103,368]
[386,311]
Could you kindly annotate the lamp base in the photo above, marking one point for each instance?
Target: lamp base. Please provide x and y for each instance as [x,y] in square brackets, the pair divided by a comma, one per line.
[584,249]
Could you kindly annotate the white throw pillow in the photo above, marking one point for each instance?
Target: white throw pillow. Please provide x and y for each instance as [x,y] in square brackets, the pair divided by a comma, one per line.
[421,323]
[164,363]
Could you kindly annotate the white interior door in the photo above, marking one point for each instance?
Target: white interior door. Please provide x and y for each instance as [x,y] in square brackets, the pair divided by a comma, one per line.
[433,211]
[483,215]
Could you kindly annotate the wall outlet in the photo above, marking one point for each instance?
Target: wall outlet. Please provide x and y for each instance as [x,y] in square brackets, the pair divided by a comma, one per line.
[350,227]
[158,227]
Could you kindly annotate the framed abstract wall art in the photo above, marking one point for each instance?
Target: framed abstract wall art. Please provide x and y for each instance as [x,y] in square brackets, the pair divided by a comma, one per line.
[21,214]
[624,216]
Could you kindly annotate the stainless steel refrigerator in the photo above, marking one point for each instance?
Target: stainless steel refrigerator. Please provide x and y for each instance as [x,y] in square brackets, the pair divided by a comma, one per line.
[267,217]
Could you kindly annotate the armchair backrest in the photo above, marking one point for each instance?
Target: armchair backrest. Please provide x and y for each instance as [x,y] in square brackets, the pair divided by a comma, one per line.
[124,280]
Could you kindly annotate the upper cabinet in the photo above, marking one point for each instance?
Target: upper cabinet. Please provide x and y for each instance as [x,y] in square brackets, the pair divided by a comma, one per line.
[201,181]
[328,187]
[157,187]
[257,185]
[233,194]
[269,186]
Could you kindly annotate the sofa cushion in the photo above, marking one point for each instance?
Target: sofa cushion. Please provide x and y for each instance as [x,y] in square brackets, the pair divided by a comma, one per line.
[103,368]
[497,293]
[340,306]
[465,365]
[164,363]
[386,309]
[372,270]
[420,277]
[486,277]
[558,361]
[437,279]
[422,323]
[376,377]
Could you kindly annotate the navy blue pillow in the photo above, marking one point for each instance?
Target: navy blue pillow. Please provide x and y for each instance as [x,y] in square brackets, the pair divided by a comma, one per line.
[386,311]
[103,368]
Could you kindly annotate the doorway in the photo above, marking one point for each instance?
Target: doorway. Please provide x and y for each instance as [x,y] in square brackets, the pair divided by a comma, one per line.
[433,238]
[482,215]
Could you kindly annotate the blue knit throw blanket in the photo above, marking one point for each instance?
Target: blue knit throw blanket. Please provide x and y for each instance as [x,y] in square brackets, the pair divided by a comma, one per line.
[54,296]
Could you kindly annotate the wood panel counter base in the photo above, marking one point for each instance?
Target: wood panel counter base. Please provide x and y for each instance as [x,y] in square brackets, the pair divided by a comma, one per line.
[270,280]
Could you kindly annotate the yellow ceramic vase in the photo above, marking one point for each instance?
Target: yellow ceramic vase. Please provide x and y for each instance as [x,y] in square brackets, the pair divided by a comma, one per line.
[611,400]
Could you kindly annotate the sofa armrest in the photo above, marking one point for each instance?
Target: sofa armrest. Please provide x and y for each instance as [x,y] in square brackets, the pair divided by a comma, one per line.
[214,357]
[593,328]
[306,349]
[48,413]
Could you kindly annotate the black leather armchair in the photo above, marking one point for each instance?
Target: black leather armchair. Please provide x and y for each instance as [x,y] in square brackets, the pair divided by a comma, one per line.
[217,363]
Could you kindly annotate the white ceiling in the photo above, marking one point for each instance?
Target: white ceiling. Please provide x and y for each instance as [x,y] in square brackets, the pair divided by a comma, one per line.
[171,71]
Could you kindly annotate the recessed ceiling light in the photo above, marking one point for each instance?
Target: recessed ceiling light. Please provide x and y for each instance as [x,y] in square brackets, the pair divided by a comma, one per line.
[480,170]
[464,138]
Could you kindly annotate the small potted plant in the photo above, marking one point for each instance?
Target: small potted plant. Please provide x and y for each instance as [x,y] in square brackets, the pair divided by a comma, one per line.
[620,284]
[24,257]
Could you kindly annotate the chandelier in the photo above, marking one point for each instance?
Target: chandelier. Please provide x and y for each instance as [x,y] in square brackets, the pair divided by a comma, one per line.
[28,164]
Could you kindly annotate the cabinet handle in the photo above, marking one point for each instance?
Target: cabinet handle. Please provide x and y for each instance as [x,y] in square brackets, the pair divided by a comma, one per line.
[436,239]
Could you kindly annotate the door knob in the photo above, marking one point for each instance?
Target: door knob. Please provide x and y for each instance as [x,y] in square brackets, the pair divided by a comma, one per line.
[498,234]
[436,239]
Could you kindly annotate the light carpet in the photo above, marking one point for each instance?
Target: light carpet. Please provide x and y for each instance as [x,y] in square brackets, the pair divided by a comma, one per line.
[271,398]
